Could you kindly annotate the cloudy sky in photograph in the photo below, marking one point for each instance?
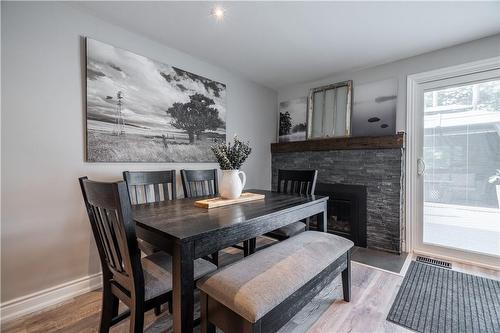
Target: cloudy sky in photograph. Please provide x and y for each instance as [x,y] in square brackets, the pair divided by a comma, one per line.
[297,108]
[148,87]
[375,100]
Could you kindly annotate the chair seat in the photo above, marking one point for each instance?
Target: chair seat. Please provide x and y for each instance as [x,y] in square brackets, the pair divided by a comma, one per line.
[256,284]
[146,247]
[157,270]
[287,231]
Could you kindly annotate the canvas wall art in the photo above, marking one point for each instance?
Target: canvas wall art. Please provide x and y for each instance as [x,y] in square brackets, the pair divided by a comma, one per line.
[292,121]
[374,110]
[141,110]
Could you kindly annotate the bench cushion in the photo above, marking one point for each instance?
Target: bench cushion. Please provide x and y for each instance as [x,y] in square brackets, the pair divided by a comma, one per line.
[256,284]
[288,230]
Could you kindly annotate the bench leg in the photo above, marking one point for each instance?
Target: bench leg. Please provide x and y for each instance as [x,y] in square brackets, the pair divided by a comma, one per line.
[215,258]
[252,245]
[157,310]
[346,279]
[252,327]
[206,326]
[246,248]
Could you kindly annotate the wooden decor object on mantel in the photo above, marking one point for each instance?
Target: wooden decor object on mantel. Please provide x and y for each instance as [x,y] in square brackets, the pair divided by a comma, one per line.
[341,143]
[219,202]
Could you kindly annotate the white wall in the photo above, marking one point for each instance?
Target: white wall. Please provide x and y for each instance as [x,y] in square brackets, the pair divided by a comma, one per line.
[45,234]
[476,50]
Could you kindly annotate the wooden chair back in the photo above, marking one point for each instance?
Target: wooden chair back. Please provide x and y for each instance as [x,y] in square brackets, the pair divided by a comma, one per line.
[297,181]
[150,186]
[110,215]
[199,183]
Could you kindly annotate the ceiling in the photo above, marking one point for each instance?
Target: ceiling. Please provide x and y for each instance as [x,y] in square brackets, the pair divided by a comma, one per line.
[280,43]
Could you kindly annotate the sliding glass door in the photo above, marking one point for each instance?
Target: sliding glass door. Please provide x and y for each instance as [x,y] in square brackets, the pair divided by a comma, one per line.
[458,168]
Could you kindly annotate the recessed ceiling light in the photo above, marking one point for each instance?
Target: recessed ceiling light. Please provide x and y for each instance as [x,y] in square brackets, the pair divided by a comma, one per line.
[218,12]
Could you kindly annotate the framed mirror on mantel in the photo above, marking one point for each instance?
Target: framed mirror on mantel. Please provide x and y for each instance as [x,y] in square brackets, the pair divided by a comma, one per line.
[329,111]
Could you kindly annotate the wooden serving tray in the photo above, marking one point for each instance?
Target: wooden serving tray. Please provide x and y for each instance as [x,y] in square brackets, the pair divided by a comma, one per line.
[219,202]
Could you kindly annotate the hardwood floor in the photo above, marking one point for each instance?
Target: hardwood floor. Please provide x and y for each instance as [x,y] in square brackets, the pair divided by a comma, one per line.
[372,295]
[373,292]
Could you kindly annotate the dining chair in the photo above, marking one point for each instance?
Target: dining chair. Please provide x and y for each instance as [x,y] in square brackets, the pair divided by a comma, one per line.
[202,183]
[140,283]
[301,182]
[148,187]
[199,183]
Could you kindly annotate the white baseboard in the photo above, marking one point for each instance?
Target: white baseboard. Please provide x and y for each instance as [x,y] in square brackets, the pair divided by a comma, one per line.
[37,301]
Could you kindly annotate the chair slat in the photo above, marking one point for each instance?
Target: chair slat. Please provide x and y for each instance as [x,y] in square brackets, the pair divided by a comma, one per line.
[203,188]
[165,191]
[117,238]
[105,233]
[210,187]
[149,182]
[111,240]
[100,231]
[296,181]
[157,192]
[199,183]
[136,197]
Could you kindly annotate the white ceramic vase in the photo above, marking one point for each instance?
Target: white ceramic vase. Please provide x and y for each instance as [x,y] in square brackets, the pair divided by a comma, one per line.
[231,185]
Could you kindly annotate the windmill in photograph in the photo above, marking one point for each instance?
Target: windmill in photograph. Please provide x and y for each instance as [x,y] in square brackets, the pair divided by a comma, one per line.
[120,122]
[141,110]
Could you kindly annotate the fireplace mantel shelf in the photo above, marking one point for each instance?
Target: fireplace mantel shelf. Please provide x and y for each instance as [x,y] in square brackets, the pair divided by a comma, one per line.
[344,143]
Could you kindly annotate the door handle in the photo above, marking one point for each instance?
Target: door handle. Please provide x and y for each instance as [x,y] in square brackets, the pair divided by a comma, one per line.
[420,167]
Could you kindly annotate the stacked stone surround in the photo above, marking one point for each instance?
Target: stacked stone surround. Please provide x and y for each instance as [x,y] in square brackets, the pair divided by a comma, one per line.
[380,170]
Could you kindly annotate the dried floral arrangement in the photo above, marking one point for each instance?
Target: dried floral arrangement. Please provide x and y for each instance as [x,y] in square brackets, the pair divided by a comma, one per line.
[231,156]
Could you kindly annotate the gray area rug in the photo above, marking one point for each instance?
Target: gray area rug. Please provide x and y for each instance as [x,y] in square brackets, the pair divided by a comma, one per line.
[433,299]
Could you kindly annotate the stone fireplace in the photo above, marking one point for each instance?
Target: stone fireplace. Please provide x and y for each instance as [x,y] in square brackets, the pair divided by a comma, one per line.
[364,180]
[346,210]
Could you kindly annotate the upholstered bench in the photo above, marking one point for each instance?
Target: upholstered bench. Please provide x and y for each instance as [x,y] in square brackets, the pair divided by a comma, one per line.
[260,293]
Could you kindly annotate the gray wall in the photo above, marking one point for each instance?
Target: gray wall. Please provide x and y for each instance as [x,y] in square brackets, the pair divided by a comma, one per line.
[45,235]
[480,49]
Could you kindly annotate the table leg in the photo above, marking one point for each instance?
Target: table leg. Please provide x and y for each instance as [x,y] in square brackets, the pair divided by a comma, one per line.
[322,218]
[246,248]
[253,245]
[183,287]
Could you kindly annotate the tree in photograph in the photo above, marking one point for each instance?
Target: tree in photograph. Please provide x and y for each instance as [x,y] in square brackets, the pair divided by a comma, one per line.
[195,116]
[285,123]
[299,128]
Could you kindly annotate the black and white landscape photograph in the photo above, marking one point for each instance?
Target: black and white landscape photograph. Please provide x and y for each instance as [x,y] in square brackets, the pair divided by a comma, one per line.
[141,110]
[292,122]
[374,110]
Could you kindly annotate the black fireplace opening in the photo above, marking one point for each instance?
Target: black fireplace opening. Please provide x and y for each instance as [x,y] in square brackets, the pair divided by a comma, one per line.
[346,210]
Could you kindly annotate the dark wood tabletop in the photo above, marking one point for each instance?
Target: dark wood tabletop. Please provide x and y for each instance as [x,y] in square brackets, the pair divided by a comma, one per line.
[182,220]
[188,232]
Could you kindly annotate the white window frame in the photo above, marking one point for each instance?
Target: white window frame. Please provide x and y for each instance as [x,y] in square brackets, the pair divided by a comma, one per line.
[416,83]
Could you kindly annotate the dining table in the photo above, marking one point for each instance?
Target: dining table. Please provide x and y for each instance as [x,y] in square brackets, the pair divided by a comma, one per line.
[188,232]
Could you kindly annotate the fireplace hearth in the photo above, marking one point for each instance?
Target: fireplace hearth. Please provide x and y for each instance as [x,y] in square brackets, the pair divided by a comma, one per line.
[346,210]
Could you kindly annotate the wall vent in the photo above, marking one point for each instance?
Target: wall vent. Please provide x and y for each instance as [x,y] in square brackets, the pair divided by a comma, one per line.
[435,262]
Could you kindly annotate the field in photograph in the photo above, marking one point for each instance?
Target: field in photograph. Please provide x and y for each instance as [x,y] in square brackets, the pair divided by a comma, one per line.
[297,136]
[103,146]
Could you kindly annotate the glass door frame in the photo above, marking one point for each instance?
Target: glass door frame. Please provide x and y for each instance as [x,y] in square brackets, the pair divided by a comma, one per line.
[416,85]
